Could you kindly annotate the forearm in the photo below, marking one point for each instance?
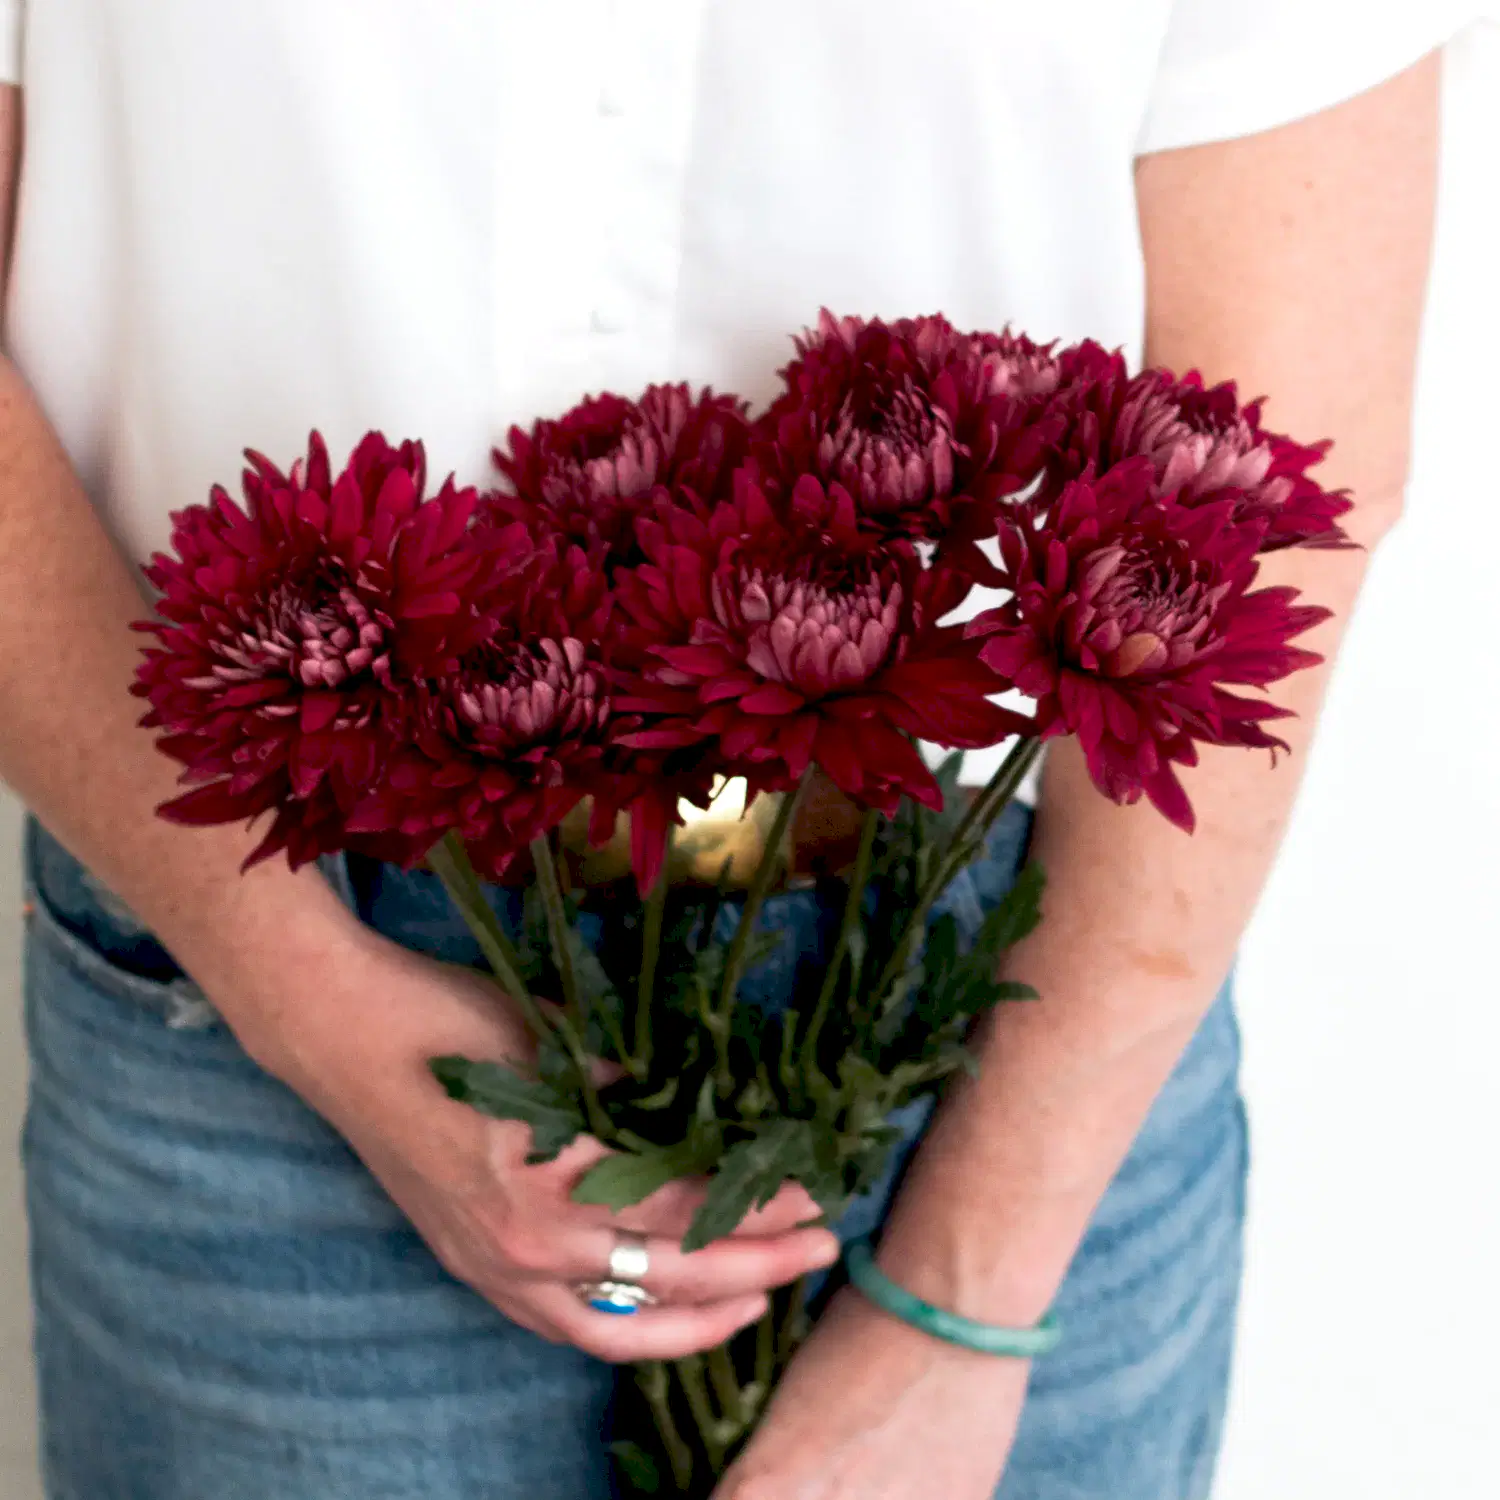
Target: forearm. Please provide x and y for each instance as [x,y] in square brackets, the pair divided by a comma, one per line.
[1294,261]
[72,748]
[1140,927]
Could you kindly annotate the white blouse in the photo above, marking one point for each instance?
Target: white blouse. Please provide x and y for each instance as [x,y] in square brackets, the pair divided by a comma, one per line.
[439,217]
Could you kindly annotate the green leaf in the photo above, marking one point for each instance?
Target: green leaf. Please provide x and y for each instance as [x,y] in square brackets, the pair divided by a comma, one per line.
[942,946]
[1009,989]
[749,1176]
[870,1161]
[503,1093]
[825,1182]
[550,1138]
[627,1179]
[1018,913]
[555,1066]
[636,1467]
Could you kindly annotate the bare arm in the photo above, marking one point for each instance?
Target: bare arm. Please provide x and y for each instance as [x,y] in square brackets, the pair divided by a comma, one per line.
[344,1017]
[70,745]
[1296,262]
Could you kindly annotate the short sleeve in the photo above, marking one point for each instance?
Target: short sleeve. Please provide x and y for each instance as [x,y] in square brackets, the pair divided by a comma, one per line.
[12,13]
[1231,69]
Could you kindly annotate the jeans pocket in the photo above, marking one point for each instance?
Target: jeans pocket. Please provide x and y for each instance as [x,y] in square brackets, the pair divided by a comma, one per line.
[176,1000]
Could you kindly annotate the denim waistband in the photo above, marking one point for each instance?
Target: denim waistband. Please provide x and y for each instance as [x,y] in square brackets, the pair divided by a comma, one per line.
[77,900]
[411,908]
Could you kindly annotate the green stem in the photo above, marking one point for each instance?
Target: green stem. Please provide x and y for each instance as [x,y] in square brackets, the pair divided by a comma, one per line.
[988,805]
[853,914]
[557,924]
[655,1385]
[968,839]
[710,1429]
[734,964]
[784,1068]
[765,1355]
[572,1022]
[791,1331]
[656,909]
[726,1382]
[450,862]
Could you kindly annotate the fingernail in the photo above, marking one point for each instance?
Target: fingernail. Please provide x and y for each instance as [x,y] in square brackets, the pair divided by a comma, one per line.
[826,1251]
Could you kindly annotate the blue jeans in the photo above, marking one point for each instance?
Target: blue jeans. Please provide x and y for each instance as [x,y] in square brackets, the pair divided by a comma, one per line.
[228,1307]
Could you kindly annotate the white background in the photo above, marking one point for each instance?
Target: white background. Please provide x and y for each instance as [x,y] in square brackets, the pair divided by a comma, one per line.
[1371,983]
[1369,996]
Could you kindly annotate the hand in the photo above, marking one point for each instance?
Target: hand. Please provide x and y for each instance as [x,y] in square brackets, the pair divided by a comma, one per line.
[871,1409]
[354,1038]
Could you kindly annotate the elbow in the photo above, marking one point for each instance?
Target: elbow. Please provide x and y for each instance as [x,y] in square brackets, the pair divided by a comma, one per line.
[1377,511]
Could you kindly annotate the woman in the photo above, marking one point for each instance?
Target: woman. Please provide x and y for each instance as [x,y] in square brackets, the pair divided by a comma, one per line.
[236,222]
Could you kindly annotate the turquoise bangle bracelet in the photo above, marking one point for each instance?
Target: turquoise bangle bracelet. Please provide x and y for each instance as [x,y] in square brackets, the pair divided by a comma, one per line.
[983,1338]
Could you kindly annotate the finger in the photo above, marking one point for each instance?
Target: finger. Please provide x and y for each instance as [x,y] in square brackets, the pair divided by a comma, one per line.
[792,1206]
[651,1333]
[667,1214]
[728,1268]
[670,1211]
[736,1266]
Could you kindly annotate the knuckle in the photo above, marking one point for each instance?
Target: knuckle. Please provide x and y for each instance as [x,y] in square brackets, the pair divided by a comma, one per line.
[524,1250]
[688,1282]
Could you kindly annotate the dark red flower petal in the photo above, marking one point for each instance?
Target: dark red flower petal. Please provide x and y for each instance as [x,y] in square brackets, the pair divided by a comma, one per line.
[920,426]
[593,474]
[752,644]
[286,624]
[1131,615]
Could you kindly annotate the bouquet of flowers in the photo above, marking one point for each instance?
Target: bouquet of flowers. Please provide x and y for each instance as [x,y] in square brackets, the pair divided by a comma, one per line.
[666,596]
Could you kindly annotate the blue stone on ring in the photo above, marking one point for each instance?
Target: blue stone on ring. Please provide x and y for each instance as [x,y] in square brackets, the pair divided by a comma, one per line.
[619,1298]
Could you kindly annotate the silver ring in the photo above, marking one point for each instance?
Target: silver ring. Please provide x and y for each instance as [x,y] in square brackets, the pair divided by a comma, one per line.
[629,1260]
[619,1297]
[621,1292]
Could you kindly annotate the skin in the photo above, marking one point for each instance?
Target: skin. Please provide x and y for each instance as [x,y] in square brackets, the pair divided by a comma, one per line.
[340,1014]
[1294,261]
[1265,258]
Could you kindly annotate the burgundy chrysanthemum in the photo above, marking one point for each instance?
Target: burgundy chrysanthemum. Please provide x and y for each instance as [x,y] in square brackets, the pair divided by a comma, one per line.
[1205,446]
[781,645]
[919,422]
[510,736]
[590,473]
[1131,620]
[284,625]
